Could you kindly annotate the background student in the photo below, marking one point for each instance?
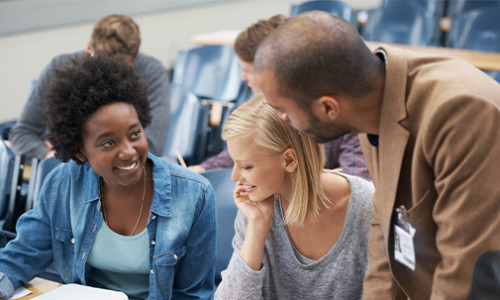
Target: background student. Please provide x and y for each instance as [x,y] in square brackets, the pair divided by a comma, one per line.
[115,215]
[431,141]
[301,231]
[344,152]
[115,35]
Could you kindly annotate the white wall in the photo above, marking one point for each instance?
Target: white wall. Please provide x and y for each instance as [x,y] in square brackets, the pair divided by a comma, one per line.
[23,56]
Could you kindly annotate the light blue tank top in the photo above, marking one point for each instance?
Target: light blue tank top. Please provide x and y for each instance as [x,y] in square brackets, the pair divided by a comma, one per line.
[120,262]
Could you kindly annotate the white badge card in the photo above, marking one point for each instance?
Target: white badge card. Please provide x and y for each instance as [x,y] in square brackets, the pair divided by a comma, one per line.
[404,251]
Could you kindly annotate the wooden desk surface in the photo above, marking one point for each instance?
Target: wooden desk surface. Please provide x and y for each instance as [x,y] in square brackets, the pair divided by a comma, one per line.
[39,286]
[482,60]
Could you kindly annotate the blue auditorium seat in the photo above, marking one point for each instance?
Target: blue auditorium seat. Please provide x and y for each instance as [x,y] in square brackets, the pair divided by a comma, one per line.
[226,213]
[457,7]
[210,71]
[188,125]
[477,29]
[405,22]
[337,8]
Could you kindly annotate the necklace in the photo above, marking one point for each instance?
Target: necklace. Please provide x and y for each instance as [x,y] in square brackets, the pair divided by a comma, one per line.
[101,199]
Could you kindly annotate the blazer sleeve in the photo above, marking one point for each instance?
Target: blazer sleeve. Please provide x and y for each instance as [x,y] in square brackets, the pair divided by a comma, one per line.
[462,144]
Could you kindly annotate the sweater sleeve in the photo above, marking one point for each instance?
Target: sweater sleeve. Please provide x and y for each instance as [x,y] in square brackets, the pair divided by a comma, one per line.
[157,79]
[239,281]
[27,134]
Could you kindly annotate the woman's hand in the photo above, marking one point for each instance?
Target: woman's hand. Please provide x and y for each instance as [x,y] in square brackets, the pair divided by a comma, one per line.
[254,211]
[259,215]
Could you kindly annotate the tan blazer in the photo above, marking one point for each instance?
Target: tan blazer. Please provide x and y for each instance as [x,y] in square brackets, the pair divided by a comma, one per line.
[439,156]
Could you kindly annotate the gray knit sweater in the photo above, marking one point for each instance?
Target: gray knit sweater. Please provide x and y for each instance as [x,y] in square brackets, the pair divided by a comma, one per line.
[26,135]
[337,275]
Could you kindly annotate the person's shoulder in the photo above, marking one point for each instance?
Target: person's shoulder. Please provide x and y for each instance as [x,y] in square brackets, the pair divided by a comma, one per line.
[167,170]
[143,60]
[64,59]
[69,169]
[360,187]
[150,69]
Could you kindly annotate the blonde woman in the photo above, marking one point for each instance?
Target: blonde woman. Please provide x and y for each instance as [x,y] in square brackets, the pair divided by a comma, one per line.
[301,231]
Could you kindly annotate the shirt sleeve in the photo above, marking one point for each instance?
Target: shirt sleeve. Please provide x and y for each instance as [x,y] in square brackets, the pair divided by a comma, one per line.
[350,156]
[221,160]
[239,281]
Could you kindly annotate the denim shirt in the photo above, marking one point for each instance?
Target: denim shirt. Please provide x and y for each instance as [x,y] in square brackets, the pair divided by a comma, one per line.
[62,226]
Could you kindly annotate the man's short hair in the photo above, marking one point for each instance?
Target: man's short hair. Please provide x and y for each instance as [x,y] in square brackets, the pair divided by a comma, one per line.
[248,40]
[116,35]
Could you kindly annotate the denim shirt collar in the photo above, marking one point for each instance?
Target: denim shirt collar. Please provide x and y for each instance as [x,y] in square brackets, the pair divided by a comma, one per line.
[162,188]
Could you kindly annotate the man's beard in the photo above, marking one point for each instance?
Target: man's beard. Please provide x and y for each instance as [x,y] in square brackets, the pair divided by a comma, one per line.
[325,132]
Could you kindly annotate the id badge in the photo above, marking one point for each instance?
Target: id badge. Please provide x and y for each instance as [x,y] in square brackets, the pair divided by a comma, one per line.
[404,250]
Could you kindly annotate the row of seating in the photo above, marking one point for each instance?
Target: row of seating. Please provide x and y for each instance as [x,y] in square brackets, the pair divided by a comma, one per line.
[206,84]
[474,23]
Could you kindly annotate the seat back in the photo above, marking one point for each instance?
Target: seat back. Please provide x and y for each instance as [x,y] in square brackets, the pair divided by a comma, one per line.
[7,158]
[226,213]
[402,23]
[436,7]
[476,30]
[337,8]
[43,169]
[457,7]
[210,71]
[188,122]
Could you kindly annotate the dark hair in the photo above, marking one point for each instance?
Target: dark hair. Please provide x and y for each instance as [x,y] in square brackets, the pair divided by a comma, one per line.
[316,54]
[248,41]
[79,90]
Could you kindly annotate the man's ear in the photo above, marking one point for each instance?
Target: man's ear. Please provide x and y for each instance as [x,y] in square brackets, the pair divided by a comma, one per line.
[290,162]
[328,106]
[88,48]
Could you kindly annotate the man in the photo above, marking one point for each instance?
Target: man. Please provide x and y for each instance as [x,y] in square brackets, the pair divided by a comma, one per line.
[114,35]
[344,152]
[430,133]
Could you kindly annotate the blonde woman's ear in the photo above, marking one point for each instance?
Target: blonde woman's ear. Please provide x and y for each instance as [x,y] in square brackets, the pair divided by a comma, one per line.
[290,162]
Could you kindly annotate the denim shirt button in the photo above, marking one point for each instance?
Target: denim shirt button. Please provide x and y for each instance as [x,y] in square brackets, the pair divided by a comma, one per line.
[95,227]
[175,256]
[72,240]
[152,271]
[153,216]
[153,242]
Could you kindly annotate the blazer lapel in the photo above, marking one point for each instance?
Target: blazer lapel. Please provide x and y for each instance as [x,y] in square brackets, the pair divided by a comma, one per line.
[393,138]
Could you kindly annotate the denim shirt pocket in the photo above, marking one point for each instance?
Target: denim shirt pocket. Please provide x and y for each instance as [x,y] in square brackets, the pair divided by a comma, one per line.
[63,253]
[165,266]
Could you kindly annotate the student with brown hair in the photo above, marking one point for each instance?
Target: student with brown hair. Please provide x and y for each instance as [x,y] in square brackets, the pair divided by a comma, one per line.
[344,152]
[115,35]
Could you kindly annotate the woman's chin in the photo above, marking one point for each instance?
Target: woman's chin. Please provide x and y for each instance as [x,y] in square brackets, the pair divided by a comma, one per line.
[257,198]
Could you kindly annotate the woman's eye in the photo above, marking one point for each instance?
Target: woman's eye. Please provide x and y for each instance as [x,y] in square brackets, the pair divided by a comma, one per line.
[136,133]
[107,144]
[246,167]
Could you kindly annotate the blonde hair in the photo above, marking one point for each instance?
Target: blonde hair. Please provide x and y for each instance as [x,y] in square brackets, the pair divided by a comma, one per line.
[116,35]
[258,119]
